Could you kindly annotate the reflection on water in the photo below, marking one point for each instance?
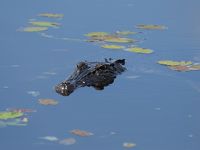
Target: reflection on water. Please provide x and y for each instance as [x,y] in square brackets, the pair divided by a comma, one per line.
[148,107]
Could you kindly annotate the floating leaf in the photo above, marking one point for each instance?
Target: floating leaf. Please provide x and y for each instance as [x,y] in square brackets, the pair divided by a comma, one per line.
[23,110]
[51,15]
[174,63]
[112,46]
[16,122]
[81,132]
[125,32]
[24,120]
[48,101]
[93,34]
[151,27]
[10,115]
[115,39]
[195,67]
[185,68]
[140,50]
[44,24]
[34,29]
[129,145]
[112,39]
[180,68]
[49,138]
[68,141]
[34,93]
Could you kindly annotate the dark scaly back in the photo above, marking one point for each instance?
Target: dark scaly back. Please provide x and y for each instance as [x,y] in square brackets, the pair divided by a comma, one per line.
[95,74]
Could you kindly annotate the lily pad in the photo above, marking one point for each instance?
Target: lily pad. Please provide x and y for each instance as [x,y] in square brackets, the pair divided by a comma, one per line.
[112,39]
[10,115]
[48,102]
[44,24]
[115,39]
[174,63]
[151,27]
[81,132]
[112,46]
[34,29]
[23,110]
[195,67]
[51,15]
[94,34]
[33,93]
[68,141]
[125,32]
[185,68]
[140,50]
[49,138]
[15,122]
[180,68]
[129,145]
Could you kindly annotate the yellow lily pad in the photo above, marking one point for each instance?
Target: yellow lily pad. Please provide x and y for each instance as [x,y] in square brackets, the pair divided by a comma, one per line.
[125,32]
[140,50]
[112,39]
[115,39]
[112,46]
[151,27]
[10,115]
[174,63]
[44,24]
[51,15]
[34,29]
[98,34]
[129,145]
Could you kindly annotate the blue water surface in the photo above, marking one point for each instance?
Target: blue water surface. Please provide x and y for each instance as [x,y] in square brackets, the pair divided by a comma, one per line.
[149,104]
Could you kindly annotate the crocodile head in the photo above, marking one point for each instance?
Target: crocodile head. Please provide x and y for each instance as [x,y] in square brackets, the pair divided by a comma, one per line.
[64,88]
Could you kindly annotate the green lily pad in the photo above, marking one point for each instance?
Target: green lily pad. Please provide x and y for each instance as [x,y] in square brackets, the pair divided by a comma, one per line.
[125,32]
[151,27]
[44,24]
[112,46]
[34,29]
[140,50]
[16,122]
[98,34]
[174,63]
[10,115]
[115,39]
[11,123]
[51,15]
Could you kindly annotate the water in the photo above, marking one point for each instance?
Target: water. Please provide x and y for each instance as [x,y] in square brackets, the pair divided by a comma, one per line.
[149,105]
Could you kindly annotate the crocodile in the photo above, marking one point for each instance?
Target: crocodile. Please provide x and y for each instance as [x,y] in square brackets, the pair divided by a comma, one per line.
[91,74]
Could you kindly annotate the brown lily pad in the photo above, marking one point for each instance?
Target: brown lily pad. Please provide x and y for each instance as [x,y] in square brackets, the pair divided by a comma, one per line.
[81,132]
[48,102]
[180,68]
